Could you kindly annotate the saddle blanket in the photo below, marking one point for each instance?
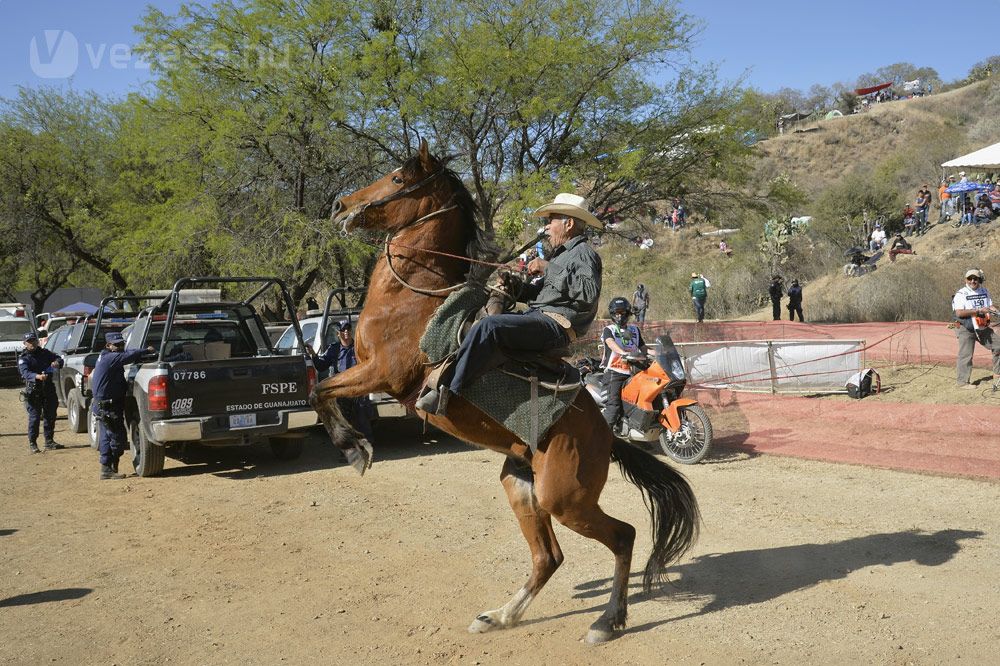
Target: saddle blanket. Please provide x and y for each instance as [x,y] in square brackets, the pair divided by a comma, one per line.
[520,403]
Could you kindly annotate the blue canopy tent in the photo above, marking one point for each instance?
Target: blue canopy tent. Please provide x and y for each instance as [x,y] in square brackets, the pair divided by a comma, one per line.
[962,189]
[79,306]
[968,186]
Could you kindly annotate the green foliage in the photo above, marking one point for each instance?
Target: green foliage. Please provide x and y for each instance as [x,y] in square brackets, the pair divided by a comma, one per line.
[983,70]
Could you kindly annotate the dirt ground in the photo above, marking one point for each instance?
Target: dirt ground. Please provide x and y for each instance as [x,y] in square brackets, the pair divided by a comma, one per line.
[233,558]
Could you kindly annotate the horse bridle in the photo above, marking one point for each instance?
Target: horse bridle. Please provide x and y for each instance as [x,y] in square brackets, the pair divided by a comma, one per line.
[399,194]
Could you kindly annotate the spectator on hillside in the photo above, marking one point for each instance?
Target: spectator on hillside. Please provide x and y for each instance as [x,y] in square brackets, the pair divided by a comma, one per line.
[699,294]
[899,245]
[640,303]
[944,198]
[795,301]
[678,216]
[724,248]
[909,219]
[776,291]
[646,243]
[877,241]
[983,214]
[923,208]
[972,306]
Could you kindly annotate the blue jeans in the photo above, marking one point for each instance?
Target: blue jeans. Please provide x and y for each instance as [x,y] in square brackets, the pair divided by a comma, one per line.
[485,347]
[699,306]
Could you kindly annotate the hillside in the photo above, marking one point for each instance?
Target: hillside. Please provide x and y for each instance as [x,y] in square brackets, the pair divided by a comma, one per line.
[907,139]
[926,131]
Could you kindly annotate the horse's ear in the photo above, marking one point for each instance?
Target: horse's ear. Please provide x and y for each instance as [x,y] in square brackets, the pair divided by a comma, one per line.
[424,155]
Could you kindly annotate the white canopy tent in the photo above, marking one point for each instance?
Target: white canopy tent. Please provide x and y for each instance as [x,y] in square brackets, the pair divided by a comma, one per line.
[984,158]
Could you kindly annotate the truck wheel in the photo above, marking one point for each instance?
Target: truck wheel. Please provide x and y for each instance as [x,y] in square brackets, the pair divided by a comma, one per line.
[147,457]
[286,448]
[76,413]
[93,430]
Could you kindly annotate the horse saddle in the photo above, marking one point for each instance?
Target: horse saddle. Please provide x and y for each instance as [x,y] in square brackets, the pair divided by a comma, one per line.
[549,368]
[526,394]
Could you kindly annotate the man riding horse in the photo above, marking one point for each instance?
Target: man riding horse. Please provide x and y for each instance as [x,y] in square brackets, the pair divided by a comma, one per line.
[561,305]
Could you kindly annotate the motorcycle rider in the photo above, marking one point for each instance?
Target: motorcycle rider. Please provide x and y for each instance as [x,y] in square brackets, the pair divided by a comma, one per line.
[620,339]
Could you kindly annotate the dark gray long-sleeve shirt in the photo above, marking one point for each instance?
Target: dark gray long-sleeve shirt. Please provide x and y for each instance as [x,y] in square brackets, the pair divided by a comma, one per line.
[571,285]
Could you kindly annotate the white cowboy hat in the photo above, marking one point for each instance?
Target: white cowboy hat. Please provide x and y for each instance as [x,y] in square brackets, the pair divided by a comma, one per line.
[572,205]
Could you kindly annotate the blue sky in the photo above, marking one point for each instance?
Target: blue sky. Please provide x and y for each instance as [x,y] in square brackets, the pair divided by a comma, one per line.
[778,43]
[794,44]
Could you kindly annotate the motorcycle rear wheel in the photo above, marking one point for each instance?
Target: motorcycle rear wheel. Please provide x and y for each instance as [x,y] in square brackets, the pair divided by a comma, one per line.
[694,441]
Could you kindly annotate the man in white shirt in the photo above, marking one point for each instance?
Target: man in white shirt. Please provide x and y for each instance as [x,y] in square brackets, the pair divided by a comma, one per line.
[973,306]
[877,239]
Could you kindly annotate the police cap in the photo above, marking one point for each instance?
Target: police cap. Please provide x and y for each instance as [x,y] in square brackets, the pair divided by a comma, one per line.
[114,338]
[29,336]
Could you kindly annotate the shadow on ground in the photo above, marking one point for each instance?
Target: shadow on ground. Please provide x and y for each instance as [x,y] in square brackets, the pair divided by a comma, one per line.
[741,578]
[31,598]
[395,439]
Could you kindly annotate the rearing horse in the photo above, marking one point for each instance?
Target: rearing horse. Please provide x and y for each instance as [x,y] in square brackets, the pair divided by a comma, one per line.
[430,219]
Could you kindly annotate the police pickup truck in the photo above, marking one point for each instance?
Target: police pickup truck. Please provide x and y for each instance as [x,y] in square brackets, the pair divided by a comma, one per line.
[14,323]
[216,378]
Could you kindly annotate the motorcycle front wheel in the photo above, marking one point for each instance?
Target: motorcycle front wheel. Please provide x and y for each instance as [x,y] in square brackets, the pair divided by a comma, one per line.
[694,440]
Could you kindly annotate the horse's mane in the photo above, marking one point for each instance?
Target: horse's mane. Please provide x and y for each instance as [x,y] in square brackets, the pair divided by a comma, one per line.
[480,244]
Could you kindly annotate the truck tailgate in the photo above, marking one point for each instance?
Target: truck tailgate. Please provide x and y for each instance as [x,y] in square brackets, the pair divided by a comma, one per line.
[237,386]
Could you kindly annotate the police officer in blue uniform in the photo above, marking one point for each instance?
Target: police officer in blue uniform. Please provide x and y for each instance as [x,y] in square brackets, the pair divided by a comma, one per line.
[109,386]
[35,365]
[338,357]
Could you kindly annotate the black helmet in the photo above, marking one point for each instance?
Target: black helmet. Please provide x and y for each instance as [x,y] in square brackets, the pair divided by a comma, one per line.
[620,310]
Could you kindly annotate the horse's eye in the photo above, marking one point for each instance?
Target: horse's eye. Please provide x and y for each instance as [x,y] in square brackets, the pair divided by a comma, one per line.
[397,180]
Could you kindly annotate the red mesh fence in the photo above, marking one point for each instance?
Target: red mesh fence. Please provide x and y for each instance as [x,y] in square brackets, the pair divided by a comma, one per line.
[950,439]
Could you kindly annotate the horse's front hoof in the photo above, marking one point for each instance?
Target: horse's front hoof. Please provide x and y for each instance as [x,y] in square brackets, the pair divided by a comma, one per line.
[360,457]
[482,624]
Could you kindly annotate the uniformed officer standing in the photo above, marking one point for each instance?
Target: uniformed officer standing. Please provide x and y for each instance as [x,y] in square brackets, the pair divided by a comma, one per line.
[109,386]
[35,365]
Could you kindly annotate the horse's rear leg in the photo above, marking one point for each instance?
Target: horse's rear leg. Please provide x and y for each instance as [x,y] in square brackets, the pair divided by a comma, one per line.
[569,487]
[536,525]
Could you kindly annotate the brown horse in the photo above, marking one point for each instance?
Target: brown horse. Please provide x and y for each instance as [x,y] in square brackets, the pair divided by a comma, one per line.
[430,218]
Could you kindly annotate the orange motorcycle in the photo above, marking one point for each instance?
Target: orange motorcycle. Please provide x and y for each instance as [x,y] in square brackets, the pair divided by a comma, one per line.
[653,408]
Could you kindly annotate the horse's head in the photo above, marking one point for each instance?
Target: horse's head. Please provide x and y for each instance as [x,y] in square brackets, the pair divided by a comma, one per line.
[393,201]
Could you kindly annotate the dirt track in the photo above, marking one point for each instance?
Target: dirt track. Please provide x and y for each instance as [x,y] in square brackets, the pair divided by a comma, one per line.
[236,558]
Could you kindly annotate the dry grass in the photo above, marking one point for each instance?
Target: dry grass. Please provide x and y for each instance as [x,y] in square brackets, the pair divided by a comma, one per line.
[922,130]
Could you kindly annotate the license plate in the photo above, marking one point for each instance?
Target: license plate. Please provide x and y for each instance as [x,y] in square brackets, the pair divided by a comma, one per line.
[242,420]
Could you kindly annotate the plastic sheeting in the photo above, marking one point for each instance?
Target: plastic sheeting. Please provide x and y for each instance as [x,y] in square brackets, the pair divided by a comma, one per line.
[912,342]
[773,366]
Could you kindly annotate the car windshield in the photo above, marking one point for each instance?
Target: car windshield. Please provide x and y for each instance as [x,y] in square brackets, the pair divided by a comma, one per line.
[14,329]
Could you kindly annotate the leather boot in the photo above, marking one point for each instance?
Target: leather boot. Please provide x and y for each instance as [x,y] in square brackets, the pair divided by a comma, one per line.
[33,448]
[51,445]
[434,401]
[108,473]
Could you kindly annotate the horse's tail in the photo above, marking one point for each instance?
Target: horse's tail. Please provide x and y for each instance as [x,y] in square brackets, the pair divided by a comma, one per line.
[672,506]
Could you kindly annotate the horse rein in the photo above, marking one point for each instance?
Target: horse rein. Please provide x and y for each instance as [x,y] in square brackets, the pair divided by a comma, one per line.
[449,206]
